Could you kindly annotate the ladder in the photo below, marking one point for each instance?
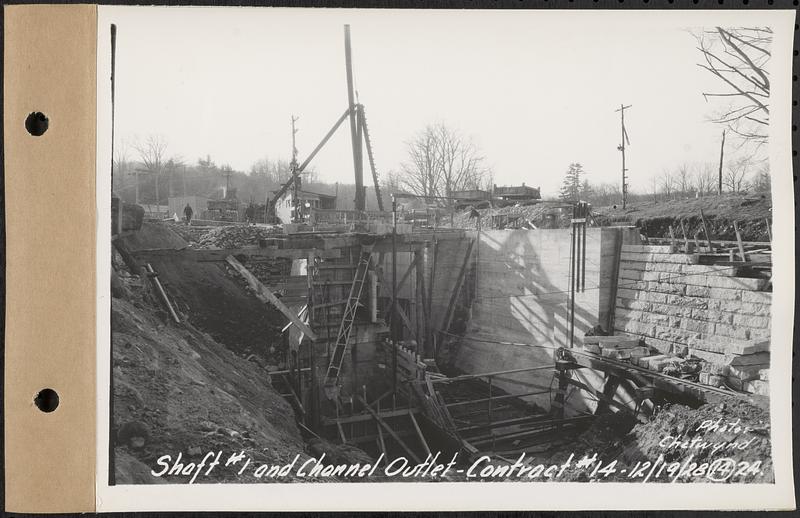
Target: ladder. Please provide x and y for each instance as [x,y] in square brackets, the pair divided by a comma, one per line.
[346,327]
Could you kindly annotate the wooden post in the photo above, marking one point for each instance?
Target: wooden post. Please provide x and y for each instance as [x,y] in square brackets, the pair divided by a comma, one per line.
[739,241]
[672,238]
[705,229]
[685,238]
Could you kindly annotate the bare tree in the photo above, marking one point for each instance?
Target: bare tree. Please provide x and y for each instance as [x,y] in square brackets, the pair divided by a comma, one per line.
[667,184]
[735,174]
[654,188]
[120,164]
[738,57]
[762,182]
[421,173]
[461,163]
[683,180]
[442,161]
[152,153]
[705,179]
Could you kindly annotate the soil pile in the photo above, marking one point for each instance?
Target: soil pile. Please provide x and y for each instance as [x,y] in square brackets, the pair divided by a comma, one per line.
[236,236]
[189,233]
[536,214]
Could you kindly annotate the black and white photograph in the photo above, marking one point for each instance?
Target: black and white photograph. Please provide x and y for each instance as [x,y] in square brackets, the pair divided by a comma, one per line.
[444,247]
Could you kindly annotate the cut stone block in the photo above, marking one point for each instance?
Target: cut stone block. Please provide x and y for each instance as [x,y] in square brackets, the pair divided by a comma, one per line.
[659,364]
[757,297]
[644,361]
[714,380]
[659,249]
[725,294]
[761,358]
[615,354]
[751,321]
[751,359]
[734,283]
[659,258]
[734,383]
[759,387]
[729,346]
[745,372]
[718,369]
[698,291]
[618,341]
[739,333]
[592,348]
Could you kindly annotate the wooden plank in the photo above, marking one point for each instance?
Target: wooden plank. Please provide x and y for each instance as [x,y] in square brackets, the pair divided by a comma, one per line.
[212,255]
[164,298]
[360,418]
[381,441]
[389,429]
[408,271]
[419,433]
[448,316]
[265,295]
[487,374]
[407,322]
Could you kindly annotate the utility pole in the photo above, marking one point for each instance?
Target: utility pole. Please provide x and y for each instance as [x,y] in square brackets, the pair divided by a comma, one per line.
[721,154]
[294,143]
[295,176]
[354,120]
[621,147]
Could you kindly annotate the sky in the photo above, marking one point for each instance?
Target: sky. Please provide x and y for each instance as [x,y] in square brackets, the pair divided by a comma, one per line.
[535,90]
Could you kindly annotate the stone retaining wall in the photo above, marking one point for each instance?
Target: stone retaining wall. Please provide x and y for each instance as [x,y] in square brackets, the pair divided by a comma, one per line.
[682,307]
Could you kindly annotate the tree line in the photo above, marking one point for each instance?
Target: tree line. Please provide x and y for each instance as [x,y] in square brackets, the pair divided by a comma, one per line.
[695,180]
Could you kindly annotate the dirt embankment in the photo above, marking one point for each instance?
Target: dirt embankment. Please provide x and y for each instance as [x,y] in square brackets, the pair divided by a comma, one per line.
[178,390]
[199,386]
[211,297]
[750,211]
[734,429]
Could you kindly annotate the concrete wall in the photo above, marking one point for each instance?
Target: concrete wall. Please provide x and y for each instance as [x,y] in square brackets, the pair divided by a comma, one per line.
[522,295]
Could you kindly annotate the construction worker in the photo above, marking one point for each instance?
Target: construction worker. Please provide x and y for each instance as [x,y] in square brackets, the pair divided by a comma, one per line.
[187,212]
